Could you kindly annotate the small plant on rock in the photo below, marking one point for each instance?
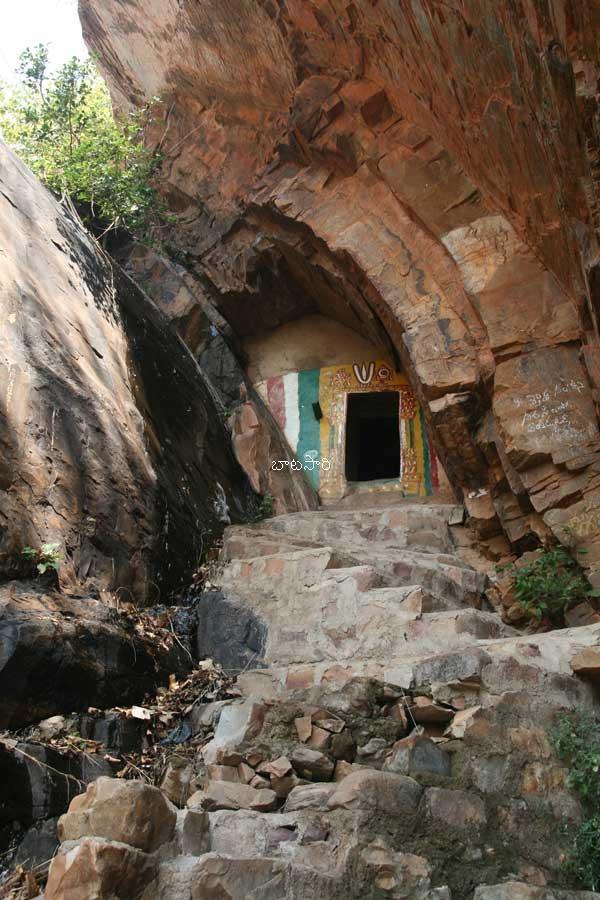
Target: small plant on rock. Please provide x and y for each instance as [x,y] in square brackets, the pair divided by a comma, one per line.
[577,741]
[549,585]
[46,558]
[266,508]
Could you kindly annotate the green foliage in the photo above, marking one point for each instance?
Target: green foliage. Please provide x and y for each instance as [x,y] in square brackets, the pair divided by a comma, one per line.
[265,509]
[46,558]
[577,741]
[63,127]
[550,585]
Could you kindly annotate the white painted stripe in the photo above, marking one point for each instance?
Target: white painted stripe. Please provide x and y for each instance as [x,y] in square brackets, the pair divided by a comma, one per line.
[292,409]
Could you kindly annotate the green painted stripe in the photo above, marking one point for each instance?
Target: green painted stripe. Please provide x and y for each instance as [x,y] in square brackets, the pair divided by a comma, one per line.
[426,458]
[310,433]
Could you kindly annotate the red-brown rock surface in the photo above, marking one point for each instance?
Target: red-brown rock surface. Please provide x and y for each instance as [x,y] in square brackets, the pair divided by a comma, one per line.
[424,169]
[111,442]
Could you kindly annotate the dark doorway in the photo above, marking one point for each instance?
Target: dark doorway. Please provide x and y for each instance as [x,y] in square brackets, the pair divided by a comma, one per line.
[372,436]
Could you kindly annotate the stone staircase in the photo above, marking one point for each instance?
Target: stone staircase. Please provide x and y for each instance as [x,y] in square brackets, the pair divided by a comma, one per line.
[391,738]
[364,589]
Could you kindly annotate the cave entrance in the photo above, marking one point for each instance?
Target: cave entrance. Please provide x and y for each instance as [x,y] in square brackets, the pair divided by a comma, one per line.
[373,436]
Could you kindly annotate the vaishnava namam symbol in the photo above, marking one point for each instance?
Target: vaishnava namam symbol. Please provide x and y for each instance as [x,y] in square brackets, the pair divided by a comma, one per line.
[363,373]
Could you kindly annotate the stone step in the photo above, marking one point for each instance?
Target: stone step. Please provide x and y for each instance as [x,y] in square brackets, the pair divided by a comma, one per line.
[405,512]
[341,625]
[296,569]
[246,541]
[419,527]
[442,575]
[417,600]
[510,663]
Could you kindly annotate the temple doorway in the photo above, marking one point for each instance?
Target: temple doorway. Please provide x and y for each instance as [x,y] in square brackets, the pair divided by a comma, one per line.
[373,436]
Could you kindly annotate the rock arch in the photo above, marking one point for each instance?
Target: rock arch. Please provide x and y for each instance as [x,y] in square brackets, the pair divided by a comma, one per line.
[435,162]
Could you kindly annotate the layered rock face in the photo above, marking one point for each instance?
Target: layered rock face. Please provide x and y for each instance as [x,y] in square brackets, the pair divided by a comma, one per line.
[423,172]
[113,445]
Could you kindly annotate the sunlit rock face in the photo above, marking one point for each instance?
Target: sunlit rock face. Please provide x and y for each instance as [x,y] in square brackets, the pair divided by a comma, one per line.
[111,443]
[423,172]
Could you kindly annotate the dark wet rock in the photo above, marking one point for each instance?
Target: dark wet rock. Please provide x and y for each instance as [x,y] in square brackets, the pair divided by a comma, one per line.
[61,654]
[38,783]
[38,845]
[231,635]
[116,732]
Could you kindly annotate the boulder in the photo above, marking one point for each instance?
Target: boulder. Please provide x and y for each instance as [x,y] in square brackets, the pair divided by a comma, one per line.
[116,731]
[243,832]
[343,746]
[587,663]
[325,720]
[52,727]
[343,769]
[382,792]
[311,764]
[239,879]
[456,809]
[277,768]
[192,832]
[284,786]
[239,724]
[229,633]
[310,796]
[225,795]
[402,875]
[278,836]
[259,782]
[319,739]
[426,711]
[418,755]
[303,725]
[175,879]
[93,868]
[176,783]
[245,773]
[262,877]
[38,845]
[131,812]
[224,773]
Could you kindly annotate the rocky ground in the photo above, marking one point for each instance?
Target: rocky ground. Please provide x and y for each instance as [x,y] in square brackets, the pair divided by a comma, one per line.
[386,735]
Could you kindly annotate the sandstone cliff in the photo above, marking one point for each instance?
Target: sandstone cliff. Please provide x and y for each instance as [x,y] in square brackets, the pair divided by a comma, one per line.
[112,443]
[359,722]
[428,170]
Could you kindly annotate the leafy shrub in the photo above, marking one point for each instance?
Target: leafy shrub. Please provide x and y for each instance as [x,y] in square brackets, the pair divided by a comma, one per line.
[550,585]
[46,559]
[265,509]
[63,127]
[577,741]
